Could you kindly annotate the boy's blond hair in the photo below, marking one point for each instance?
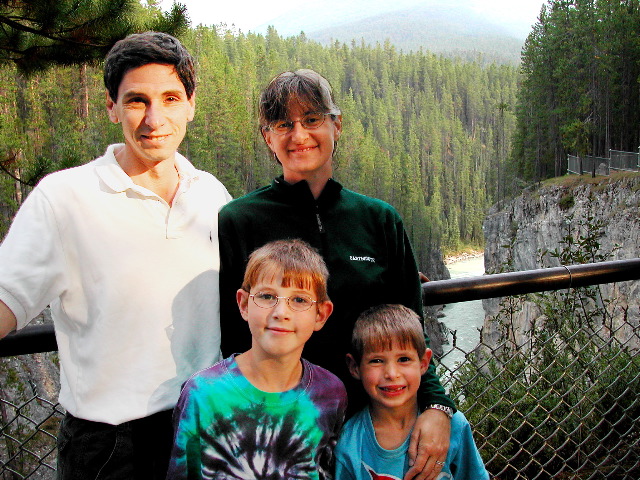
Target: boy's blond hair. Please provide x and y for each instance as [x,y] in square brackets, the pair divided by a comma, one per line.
[377,328]
[299,263]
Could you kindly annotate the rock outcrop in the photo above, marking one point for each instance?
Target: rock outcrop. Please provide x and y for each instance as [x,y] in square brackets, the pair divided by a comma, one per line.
[539,219]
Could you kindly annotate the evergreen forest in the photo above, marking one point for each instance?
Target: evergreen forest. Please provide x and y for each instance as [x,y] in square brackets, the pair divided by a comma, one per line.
[423,132]
[441,138]
[580,91]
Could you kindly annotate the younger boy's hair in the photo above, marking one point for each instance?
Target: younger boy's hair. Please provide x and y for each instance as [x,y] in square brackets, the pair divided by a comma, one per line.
[299,263]
[377,328]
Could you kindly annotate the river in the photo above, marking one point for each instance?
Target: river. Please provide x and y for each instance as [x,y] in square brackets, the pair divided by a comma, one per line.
[465,318]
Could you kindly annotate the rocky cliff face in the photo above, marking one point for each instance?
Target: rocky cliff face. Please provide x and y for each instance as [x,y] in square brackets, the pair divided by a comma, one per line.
[435,269]
[539,219]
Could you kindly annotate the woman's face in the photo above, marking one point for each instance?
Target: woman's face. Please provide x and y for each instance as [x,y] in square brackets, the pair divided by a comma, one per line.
[305,154]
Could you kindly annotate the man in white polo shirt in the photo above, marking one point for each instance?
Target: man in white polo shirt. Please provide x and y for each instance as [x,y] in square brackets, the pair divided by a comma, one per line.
[125,250]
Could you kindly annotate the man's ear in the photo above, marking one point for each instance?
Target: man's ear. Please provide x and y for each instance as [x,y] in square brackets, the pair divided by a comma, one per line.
[354,367]
[424,361]
[242,297]
[192,107]
[113,116]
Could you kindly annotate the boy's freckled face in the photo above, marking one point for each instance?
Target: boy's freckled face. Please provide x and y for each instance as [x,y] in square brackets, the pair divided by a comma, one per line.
[391,378]
[280,331]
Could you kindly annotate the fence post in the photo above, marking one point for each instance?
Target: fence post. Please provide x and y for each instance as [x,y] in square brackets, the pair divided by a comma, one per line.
[580,164]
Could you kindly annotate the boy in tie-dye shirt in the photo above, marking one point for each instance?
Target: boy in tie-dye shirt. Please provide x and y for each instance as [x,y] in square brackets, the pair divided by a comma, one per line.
[266,413]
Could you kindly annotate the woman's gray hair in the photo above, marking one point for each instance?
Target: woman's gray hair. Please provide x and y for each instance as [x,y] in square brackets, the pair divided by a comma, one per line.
[305,87]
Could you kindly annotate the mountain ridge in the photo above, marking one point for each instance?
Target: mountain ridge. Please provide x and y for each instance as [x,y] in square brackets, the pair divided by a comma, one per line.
[450,30]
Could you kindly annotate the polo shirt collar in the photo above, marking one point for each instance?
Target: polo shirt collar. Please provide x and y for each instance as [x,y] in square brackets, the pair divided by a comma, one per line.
[111,173]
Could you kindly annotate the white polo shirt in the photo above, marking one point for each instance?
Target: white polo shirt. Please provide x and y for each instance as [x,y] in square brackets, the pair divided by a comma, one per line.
[132,283]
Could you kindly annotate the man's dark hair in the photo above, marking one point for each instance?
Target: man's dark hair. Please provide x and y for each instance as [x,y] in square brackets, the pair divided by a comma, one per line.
[141,49]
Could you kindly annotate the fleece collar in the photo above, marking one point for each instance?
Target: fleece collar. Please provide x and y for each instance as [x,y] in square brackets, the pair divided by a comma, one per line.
[301,192]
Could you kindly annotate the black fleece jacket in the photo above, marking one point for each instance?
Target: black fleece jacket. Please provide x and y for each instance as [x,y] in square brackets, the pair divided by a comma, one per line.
[364,245]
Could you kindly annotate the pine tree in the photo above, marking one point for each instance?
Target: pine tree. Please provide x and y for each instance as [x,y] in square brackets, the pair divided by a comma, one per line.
[36,34]
[580,92]
[424,133]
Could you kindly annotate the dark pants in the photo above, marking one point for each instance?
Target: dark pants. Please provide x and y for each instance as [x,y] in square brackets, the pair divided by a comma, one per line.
[139,449]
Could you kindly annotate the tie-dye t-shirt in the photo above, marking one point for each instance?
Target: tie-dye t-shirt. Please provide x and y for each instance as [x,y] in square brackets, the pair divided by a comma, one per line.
[225,428]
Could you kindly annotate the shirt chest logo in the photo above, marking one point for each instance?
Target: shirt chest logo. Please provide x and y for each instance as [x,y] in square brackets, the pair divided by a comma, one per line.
[355,258]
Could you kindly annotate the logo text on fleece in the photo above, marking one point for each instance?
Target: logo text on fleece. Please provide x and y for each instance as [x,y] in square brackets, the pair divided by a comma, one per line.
[355,258]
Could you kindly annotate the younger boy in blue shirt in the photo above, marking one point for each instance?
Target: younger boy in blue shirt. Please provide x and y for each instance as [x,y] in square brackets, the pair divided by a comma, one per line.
[389,355]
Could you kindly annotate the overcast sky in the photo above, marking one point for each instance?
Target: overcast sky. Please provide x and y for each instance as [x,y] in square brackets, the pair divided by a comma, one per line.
[247,15]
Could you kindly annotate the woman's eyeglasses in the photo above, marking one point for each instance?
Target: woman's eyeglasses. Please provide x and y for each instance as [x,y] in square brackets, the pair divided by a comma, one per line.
[310,121]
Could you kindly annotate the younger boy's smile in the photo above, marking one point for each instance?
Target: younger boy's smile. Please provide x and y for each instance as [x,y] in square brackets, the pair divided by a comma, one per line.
[393,389]
[391,378]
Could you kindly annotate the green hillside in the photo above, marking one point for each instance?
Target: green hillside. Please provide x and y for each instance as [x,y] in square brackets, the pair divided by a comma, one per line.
[426,133]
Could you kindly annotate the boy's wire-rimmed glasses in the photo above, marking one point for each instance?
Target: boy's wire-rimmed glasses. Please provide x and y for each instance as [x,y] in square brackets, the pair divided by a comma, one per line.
[310,121]
[299,302]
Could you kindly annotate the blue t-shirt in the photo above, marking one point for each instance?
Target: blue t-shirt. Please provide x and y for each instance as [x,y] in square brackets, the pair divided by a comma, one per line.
[225,428]
[359,456]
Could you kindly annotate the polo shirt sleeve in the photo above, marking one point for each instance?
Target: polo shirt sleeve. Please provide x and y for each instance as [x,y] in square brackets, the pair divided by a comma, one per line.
[31,260]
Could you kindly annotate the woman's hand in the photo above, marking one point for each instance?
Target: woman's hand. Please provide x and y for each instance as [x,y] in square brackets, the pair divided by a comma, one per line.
[429,445]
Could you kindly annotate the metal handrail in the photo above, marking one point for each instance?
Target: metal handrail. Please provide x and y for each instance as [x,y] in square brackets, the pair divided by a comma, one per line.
[32,339]
[41,338]
[528,281]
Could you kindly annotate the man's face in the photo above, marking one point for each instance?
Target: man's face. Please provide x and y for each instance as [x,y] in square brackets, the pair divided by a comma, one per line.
[154,110]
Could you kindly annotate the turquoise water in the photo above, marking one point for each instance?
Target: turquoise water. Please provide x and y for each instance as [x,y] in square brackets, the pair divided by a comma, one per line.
[465,318]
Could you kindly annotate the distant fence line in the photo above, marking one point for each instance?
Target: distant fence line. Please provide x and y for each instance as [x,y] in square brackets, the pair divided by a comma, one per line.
[617,160]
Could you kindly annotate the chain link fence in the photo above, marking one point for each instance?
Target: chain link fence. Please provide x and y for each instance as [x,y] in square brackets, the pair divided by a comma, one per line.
[28,436]
[29,413]
[555,399]
[588,164]
[624,161]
